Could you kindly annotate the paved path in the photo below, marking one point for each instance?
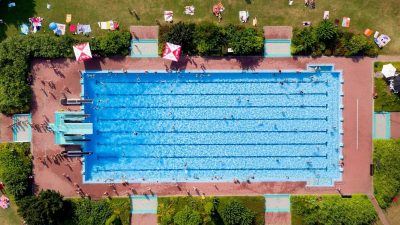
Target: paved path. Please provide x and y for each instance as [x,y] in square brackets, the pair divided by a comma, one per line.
[381,214]
[144,210]
[277,209]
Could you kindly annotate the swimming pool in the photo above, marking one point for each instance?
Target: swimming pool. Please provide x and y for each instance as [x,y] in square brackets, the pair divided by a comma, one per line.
[213,126]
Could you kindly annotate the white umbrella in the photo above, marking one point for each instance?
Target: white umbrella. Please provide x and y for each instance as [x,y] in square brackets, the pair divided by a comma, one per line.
[388,70]
[82,51]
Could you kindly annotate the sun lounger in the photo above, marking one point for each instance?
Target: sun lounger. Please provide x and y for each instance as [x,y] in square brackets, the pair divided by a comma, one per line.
[382,40]
[68,18]
[168,16]
[326,15]
[346,22]
[189,10]
[244,16]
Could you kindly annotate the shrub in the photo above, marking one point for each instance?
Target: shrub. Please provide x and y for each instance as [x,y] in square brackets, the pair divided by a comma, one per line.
[46,208]
[326,32]
[114,220]
[182,34]
[235,213]
[87,212]
[333,210]
[15,168]
[304,40]
[387,170]
[187,216]
[115,43]
[244,41]
[15,53]
[209,38]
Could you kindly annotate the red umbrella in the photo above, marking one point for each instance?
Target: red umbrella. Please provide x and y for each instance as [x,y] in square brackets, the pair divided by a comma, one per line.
[172,52]
[82,51]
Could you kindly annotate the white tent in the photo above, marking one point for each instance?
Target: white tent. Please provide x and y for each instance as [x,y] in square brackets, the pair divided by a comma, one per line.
[388,70]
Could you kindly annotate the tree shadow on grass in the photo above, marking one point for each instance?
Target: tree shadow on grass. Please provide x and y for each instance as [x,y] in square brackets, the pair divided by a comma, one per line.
[15,16]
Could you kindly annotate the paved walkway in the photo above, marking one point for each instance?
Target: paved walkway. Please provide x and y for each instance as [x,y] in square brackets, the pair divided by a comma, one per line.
[64,74]
[381,214]
[144,210]
[277,209]
[395,125]
[381,125]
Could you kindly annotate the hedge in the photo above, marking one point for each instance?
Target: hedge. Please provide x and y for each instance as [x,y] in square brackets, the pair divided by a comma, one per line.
[327,39]
[387,170]
[15,168]
[211,39]
[17,51]
[212,210]
[331,210]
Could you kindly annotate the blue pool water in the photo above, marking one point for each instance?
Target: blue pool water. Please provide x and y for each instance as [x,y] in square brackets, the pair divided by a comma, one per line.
[215,126]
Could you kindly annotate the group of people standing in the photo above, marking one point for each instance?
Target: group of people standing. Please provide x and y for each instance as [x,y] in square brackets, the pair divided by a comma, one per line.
[310,4]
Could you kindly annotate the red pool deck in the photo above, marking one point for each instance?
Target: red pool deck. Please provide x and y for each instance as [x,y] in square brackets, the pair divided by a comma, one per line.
[64,73]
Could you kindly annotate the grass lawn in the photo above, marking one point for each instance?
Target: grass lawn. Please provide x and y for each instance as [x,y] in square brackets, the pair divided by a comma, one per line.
[10,216]
[374,14]
[392,214]
[386,100]
[169,206]
[378,65]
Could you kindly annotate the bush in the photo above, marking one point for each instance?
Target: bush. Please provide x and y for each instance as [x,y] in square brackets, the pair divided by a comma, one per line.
[326,32]
[187,216]
[333,210]
[46,208]
[16,51]
[87,212]
[235,213]
[115,43]
[387,170]
[181,34]
[209,38]
[114,220]
[328,40]
[15,168]
[244,41]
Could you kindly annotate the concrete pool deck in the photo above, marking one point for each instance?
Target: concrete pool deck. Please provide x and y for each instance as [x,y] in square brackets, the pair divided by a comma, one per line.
[64,74]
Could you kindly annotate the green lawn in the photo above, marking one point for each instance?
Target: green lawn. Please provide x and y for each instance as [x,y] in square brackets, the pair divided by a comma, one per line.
[386,100]
[374,14]
[169,206]
[10,216]
[378,65]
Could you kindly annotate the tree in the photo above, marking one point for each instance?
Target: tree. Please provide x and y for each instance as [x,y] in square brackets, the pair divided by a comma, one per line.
[235,213]
[244,41]
[356,45]
[187,216]
[326,32]
[182,34]
[209,38]
[115,43]
[87,212]
[46,208]
[305,41]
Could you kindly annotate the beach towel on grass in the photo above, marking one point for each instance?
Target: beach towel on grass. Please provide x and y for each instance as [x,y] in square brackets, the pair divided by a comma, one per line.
[346,22]
[60,29]
[189,10]
[168,16]
[244,16]
[24,29]
[84,28]
[108,25]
